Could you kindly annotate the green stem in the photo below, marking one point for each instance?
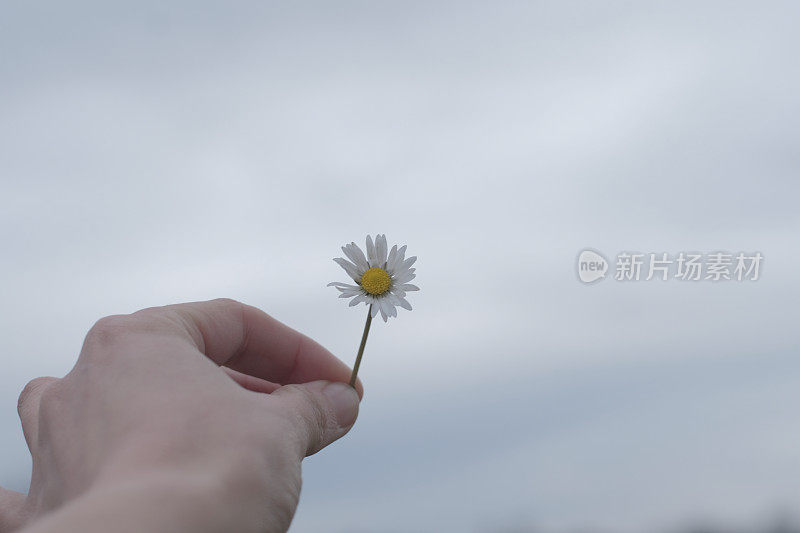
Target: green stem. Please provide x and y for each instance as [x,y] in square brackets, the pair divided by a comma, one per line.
[361,348]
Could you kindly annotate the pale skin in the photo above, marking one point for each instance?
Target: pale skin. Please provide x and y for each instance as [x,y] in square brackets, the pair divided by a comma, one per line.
[191,417]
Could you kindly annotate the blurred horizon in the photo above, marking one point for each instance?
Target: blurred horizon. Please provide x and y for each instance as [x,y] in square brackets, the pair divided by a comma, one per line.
[156,153]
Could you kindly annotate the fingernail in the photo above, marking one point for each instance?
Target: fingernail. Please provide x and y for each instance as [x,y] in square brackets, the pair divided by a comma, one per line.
[344,401]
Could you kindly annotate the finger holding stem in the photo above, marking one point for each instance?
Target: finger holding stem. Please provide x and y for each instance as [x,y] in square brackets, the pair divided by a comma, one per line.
[361,347]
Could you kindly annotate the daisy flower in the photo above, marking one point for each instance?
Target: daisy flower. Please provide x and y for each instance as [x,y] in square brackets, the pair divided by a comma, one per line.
[382,277]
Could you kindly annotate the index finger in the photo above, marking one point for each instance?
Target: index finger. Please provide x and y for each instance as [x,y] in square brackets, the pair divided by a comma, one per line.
[248,340]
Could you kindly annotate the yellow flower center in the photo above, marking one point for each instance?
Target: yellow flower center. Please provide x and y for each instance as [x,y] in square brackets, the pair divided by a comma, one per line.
[375,281]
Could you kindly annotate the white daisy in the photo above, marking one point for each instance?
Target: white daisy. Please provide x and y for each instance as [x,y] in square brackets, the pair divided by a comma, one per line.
[381,281]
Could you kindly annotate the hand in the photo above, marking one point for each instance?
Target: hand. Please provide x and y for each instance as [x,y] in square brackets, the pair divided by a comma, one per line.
[148,433]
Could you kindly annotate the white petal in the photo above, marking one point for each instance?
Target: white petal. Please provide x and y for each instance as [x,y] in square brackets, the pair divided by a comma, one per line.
[386,308]
[380,249]
[391,258]
[399,272]
[362,259]
[401,253]
[375,308]
[355,255]
[398,292]
[357,300]
[408,262]
[348,293]
[392,297]
[407,287]
[391,310]
[338,285]
[371,257]
[348,267]
[396,299]
[404,278]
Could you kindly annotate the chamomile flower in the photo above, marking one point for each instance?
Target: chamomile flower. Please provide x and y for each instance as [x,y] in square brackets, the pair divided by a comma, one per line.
[382,276]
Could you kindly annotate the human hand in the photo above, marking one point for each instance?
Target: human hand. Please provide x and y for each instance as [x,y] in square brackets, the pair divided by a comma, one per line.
[148,433]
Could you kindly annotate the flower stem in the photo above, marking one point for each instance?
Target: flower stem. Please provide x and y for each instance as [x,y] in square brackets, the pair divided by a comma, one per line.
[361,348]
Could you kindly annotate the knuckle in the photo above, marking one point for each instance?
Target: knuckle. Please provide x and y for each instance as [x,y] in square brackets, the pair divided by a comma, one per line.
[53,403]
[228,301]
[308,420]
[33,387]
[109,329]
[234,307]
[229,304]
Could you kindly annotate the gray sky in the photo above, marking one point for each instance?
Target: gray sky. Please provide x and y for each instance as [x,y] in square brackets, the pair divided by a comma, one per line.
[154,153]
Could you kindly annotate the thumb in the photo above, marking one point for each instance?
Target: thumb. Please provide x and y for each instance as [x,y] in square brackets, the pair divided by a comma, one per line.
[320,411]
[11,503]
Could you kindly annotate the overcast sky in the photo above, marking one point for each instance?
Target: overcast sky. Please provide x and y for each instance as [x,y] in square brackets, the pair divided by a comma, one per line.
[154,153]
